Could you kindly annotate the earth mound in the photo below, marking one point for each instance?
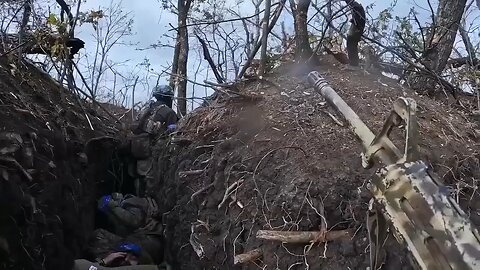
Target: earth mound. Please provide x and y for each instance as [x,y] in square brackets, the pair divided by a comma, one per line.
[275,156]
[47,189]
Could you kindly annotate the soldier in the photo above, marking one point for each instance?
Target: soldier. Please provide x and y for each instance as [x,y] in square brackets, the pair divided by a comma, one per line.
[126,256]
[156,121]
[129,214]
[134,220]
[159,116]
[355,32]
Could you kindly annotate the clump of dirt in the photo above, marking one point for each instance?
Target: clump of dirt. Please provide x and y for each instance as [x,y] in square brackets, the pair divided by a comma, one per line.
[47,189]
[277,158]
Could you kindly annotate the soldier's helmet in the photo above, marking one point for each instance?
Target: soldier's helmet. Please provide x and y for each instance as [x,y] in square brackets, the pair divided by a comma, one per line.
[162,91]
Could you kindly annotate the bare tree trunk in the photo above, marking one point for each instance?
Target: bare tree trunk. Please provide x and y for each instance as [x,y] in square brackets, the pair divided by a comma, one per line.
[442,38]
[303,51]
[438,49]
[330,19]
[176,54]
[180,57]
[263,53]
[257,4]
[27,11]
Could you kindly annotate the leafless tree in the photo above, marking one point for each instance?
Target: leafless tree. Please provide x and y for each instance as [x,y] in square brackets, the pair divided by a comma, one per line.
[180,57]
[266,20]
[302,45]
[109,31]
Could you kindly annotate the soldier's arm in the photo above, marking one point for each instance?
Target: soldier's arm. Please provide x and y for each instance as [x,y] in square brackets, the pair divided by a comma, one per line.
[166,116]
[86,265]
[132,217]
[172,118]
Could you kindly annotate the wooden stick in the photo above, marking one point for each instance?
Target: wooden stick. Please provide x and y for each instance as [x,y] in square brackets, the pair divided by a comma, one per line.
[302,237]
[183,174]
[333,118]
[201,191]
[14,162]
[250,256]
[230,191]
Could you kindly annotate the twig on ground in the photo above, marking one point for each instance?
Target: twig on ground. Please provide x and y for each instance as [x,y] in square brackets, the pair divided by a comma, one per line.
[184,174]
[250,256]
[302,237]
[14,162]
[201,191]
[14,48]
[230,190]
[333,118]
[197,247]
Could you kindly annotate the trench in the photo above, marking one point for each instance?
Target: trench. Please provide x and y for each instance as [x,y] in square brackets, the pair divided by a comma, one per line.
[113,165]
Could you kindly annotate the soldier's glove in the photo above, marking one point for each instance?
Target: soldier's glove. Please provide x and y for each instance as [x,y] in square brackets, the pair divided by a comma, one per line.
[107,202]
[171,128]
[104,203]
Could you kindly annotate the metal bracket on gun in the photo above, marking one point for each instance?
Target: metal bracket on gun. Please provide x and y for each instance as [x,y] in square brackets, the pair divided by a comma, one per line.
[404,111]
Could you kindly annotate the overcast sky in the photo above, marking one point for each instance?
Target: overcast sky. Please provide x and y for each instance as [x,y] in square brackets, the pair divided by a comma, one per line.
[151,22]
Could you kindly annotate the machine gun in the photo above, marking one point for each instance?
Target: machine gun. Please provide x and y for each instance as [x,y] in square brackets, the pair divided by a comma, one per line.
[418,207]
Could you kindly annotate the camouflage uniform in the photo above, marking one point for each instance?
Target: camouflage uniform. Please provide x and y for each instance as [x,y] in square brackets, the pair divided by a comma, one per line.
[134,220]
[152,123]
[87,265]
[151,242]
[355,32]
[130,214]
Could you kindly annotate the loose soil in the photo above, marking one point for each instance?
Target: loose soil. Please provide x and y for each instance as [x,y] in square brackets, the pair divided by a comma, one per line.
[47,188]
[291,159]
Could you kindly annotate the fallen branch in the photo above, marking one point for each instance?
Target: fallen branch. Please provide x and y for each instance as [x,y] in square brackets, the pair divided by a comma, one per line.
[196,245]
[14,162]
[333,118]
[250,256]
[228,91]
[184,174]
[14,48]
[303,237]
[232,188]
[207,187]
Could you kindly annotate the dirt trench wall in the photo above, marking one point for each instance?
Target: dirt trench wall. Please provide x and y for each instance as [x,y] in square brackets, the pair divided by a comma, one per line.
[47,189]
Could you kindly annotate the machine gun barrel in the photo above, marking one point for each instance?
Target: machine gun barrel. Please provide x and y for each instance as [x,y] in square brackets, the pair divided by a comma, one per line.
[386,155]
[359,127]
[421,211]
